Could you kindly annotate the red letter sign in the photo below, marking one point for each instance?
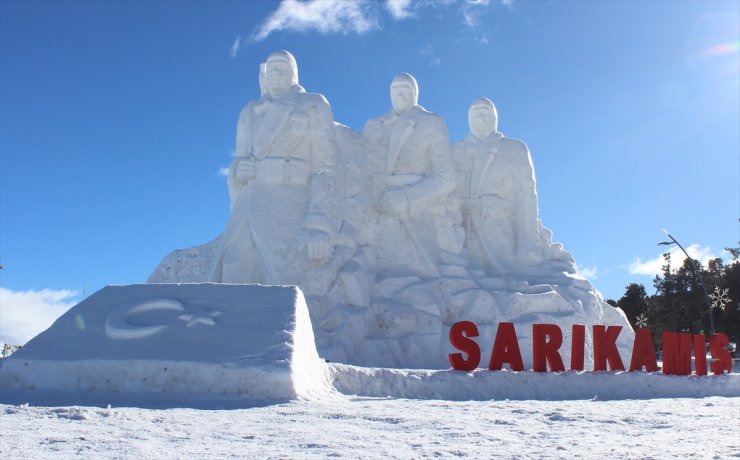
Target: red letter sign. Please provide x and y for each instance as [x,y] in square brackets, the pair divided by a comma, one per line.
[643,352]
[506,349]
[605,348]
[700,354]
[576,347]
[544,352]
[676,353]
[718,346]
[463,343]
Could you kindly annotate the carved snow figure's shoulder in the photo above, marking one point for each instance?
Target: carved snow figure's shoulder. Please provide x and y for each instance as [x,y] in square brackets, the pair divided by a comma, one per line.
[314,99]
[378,124]
[515,147]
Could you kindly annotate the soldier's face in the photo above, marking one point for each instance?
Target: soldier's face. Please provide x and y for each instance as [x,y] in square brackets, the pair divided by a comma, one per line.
[482,121]
[279,77]
[402,96]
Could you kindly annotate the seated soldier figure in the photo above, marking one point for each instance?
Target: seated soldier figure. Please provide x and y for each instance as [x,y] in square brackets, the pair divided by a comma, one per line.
[497,190]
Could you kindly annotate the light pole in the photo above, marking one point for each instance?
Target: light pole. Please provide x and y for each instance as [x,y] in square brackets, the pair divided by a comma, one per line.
[697,275]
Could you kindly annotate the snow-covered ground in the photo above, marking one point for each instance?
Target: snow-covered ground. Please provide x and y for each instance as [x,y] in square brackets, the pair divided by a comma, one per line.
[354,427]
[182,387]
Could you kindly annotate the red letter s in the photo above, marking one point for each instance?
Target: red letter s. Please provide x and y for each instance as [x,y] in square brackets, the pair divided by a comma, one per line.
[718,346]
[463,343]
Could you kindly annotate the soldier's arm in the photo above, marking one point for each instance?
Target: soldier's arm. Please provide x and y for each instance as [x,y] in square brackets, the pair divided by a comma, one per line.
[323,147]
[525,185]
[441,182]
[234,181]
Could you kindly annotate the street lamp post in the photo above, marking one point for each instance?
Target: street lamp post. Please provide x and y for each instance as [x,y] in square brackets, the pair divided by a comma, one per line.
[697,275]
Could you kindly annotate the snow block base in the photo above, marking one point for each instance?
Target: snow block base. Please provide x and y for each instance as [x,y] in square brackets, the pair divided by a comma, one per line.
[173,344]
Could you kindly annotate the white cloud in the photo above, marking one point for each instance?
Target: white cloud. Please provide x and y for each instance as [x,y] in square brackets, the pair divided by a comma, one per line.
[428,50]
[223,172]
[434,3]
[360,16]
[399,9]
[24,314]
[323,16]
[472,11]
[654,266]
[588,272]
[235,47]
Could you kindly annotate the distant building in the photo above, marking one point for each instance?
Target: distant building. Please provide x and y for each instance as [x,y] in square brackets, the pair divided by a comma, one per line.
[9,349]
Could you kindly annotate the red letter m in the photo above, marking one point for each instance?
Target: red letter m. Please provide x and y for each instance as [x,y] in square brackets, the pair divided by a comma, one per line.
[676,353]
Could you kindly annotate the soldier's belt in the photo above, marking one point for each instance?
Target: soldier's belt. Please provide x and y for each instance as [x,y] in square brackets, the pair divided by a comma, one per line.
[276,170]
[403,180]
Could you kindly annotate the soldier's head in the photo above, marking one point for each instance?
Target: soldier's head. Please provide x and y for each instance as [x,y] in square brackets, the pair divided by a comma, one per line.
[281,73]
[482,118]
[404,92]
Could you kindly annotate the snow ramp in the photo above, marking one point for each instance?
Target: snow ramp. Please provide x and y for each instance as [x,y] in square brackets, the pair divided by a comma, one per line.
[173,345]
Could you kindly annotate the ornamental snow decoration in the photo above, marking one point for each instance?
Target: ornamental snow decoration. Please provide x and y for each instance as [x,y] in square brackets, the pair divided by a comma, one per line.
[641,320]
[720,298]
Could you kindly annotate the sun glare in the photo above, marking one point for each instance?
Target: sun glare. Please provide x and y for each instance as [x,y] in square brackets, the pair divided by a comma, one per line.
[722,49]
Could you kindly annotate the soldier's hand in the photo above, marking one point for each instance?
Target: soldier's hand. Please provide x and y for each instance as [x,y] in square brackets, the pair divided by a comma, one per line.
[244,170]
[395,203]
[318,246]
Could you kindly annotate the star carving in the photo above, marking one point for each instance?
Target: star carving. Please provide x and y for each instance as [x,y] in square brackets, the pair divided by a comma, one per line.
[207,318]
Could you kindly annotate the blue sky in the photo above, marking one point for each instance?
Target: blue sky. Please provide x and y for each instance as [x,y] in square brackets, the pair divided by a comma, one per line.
[116,118]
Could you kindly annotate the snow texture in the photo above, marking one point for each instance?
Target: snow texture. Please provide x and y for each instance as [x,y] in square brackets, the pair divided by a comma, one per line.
[381,428]
[174,344]
[392,234]
[482,384]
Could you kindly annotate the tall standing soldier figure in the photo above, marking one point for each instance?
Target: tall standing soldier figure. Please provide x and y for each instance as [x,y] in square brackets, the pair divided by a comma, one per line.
[282,224]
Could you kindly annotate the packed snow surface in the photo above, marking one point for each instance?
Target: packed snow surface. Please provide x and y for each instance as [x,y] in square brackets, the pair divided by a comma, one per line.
[150,343]
[356,427]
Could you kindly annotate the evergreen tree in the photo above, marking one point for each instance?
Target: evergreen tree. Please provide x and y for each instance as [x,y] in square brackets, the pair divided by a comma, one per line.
[679,303]
[634,302]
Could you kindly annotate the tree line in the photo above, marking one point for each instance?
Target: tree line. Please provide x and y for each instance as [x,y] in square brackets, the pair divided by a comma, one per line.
[679,304]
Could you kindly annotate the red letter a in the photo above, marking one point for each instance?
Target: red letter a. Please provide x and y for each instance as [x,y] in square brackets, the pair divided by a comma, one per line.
[544,352]
[506,349]
[643,352]
[463,343]
[605,348]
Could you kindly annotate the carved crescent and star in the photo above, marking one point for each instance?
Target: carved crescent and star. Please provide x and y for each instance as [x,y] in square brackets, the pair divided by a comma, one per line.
[121,322]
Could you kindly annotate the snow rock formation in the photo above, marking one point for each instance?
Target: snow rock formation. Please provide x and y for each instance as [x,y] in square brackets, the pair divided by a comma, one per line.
[392,234]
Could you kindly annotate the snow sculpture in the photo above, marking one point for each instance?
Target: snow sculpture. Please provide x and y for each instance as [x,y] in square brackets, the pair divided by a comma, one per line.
[409,159]
[411,237]
[392,235]
[497,194]
[282,226]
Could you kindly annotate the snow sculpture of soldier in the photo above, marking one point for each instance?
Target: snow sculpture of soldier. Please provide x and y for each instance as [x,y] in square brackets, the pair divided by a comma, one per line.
[409,159]
[282,225]
[497,191]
